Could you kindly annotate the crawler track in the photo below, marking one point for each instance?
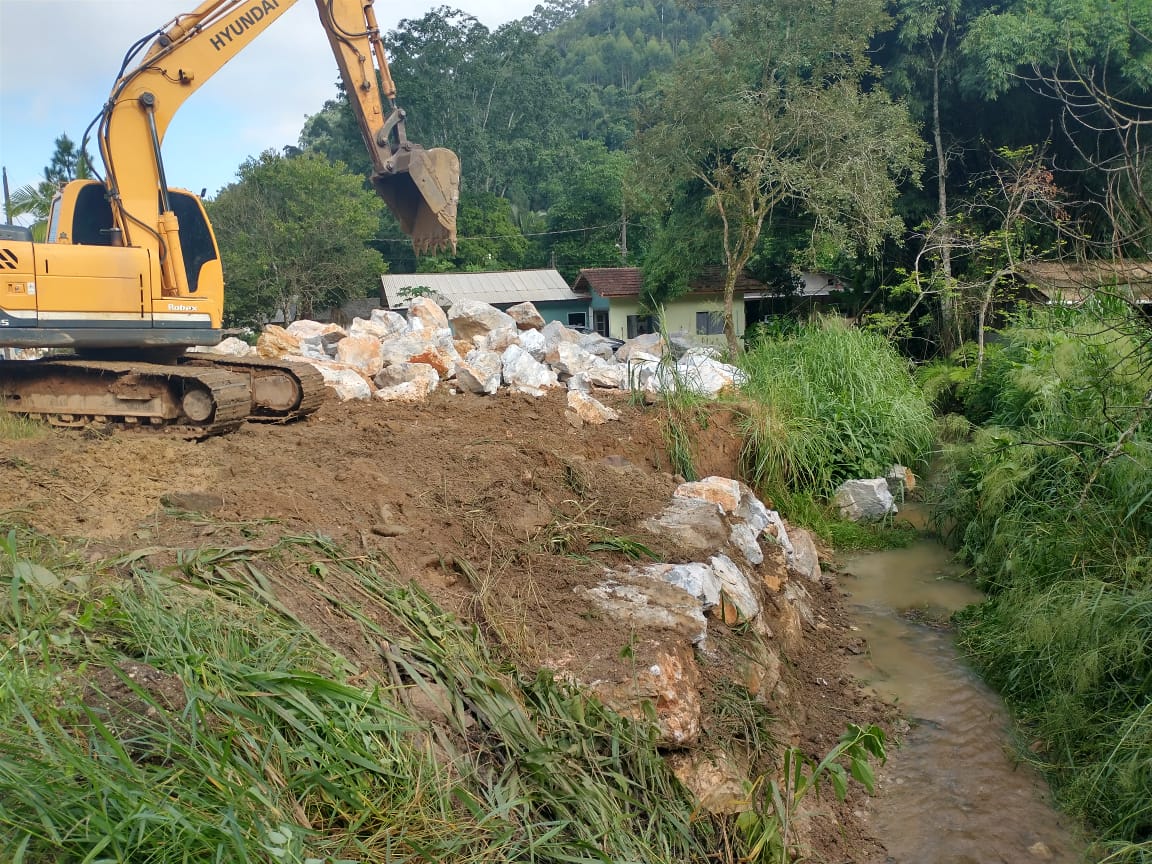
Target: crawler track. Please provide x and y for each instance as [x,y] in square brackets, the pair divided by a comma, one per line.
[196,401]
[281,391]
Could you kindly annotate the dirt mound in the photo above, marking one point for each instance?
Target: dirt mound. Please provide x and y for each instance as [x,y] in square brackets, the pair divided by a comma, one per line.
[498,507]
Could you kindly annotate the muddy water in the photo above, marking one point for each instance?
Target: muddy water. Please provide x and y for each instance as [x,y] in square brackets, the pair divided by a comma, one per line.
[951,792]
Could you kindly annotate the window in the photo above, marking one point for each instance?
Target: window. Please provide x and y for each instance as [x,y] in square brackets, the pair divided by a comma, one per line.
[709,324]
[638,325]
[577,319]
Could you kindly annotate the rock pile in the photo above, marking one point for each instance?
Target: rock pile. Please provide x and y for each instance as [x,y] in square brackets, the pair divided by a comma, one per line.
[480,349]
[749,573]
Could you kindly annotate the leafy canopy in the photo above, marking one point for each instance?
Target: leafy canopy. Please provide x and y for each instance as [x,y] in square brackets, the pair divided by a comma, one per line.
[292,235]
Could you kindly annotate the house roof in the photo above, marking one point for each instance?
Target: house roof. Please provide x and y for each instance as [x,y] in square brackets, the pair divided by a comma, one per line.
[503,287]
[1072,282]
[711,281]
[611,281]
[627,281]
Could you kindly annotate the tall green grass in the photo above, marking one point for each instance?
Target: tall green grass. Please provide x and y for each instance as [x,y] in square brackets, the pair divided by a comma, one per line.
[1050,500]
[829,404]
[274,751]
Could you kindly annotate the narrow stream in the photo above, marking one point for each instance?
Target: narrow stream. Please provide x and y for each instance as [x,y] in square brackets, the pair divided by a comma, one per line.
[951,792]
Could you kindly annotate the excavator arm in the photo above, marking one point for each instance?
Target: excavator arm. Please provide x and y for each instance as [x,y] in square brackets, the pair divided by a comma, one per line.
[420,186]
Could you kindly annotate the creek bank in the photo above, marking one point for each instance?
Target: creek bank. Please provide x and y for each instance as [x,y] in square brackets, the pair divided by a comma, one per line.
[951,790]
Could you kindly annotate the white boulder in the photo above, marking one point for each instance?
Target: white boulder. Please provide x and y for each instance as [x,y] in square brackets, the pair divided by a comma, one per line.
[526,316]
[480,372]
[588,409]
[523,372]
[473,318]
[861,500]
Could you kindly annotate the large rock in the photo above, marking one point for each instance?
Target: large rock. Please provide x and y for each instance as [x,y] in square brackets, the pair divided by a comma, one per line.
[641,602]
[361,352]
[421,374]
[480,372]
[601,346]
[736,587]
[669,687]
[641,372]
[316,339]
[434,349]
[651,344]
[524,373]
[589,410]
[610,376]
[554,333]
[231,347]
[424,314]
[307,329]
[568,358]
[276,342]
[472,318]
[715,779]
[347,382]
[691,523]
[747,541]
[532,341]
[805,560]
[724,492]
[416,390]
[862,500]
[526,316]
[702,375]
[697,579]
[387,325]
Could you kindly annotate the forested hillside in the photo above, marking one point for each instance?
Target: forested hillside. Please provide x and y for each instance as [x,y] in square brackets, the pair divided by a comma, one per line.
[562,119]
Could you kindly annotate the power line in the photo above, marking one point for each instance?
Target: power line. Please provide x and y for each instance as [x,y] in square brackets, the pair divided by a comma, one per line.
[503,236]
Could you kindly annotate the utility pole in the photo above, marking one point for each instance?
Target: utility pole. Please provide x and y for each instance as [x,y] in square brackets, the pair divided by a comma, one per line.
[623,231]
[7,197]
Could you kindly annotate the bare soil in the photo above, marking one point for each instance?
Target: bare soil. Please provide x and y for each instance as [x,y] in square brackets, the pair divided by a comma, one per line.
[493,505]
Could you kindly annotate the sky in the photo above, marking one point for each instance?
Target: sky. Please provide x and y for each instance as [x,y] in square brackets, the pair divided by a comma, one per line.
[59,59]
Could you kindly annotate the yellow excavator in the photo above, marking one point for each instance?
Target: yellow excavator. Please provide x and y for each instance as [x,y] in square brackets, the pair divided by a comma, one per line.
[130,277]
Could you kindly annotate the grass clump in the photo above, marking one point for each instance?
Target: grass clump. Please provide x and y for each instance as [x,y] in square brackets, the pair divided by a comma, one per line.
[14,427]
[1050,499]
[829,404]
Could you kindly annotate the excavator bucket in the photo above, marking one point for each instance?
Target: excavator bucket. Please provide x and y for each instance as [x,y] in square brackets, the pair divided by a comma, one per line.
[422,190]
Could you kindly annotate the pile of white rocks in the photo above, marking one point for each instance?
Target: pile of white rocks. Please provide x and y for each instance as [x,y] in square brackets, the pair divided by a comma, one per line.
[749,571]
[477,348]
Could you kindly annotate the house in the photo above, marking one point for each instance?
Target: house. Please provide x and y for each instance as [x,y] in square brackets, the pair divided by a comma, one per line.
[1071,283]
[617,311]
[811,292]
[546,289]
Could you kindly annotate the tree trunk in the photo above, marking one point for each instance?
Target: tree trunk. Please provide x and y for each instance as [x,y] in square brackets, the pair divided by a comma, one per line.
[729,313]
[949,328]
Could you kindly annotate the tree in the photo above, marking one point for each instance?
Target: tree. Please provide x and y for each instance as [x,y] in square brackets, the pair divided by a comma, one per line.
[489,238]
[292,235]
[587,211]
[35,200]
[776,113]
[1092,59]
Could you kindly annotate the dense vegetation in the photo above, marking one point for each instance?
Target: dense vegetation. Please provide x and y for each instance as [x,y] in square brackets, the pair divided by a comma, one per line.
[1048,498]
